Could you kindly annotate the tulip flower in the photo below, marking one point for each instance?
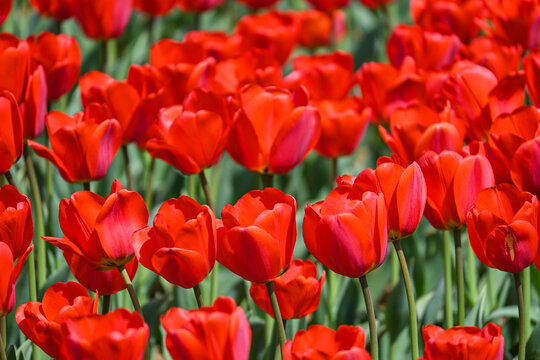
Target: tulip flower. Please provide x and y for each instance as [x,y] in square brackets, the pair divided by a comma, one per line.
[16,226]
[83,146]
[14,65]
[153,7]
[277,139]
[328,5]
[181,246]
[218,332]
[42,322]
[5,9]
[320,342]
[463,343]
[58,9]
[8,276]
[502,228]
[501,60]
[316,28]
[11,132]
[103,19]
[103,227]
[374,4]
[34,106]
[531,65]
[197,5]
[120,334]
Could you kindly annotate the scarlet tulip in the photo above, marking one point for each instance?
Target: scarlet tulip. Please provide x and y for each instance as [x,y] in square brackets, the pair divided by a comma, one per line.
[58,9]
[328,5]
[347,232]
[120,334]
[463,343]
[316,28]
[103,19]
[198,5]
[153,7]
[181,246]
[102,232]
[525,159]
[8,276]
[5,8]
[34,106]
[11,132]
[320,342]
[218,332]
[531,65]
[258,235]
[16,226]
[373,4]
[298,291]
[42,322]
[500,59]
[83,146]
[14,65]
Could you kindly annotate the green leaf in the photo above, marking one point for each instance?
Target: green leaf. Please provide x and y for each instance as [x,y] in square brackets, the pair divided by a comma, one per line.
[532,351]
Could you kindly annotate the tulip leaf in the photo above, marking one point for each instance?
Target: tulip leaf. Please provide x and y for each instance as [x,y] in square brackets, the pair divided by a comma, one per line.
[434,305]
[349,304]
[11,353]
[62,274]
[533,345]
[397,311]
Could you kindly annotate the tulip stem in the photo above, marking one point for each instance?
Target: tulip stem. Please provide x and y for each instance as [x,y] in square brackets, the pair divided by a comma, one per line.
[459,277]
[522,319]
[410,298]
[277,315]
[333,172]
[9,178]
[129,175]
[3,329]
[527,300]
[86,186]
[471,272]
[130,289]
[374,342]
[206,189]
[40,230]
[448,308]
[3,355]
[267,180]
[149,195]
[106,305]
[198,296]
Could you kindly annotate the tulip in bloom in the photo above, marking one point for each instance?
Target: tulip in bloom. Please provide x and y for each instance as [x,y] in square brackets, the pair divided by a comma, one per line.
[8,276]
[14,65]
[153,7]
[258,235]
[219,332]
[181,246]
[16,226]
[531,65]
[58,9]
[463,343]
[316,28]
[11,131]
[328,5]
[197,5]
[320,342]
[5,8]
[34,106]
[42,322]
[103,19]
[298,291]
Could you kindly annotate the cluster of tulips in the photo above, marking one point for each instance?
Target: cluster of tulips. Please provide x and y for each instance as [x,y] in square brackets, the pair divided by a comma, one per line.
[457,106]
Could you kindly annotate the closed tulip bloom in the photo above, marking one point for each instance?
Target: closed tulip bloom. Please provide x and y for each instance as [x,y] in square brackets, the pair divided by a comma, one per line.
[320,342]
[502,228]
[5,9]
[58,9]
[500,59]
[16,226]
[316,28]
[181,246]
[11,131]
[83,146]
[217,332]
[103,19]
[41,322]
[463,343]
[527,156]
[8,276]
[103,227]
[120,334]
[328,5]
[153,7]
[298,291]
[257,238]
[259,4]
[531,65]
[347,231]
[34,106]
[197,5]
[14,65]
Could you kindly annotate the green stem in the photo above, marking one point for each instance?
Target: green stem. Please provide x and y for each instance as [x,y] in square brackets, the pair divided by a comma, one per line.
[522,319]
[129,175]
[214,282]
[198,296]
[394,278]
[103,58]
[3,331]
[197,20]
[267,180]
[3,355]
[471,275]
[527,300]
[130,289]
[459,277]
[151,30]
[277,315]
[86,186]
[149,195]
[38,207]
[106,304]
[206,189]
[410,298]
[448,303]
[491,290]
[333,172]
[374,342]
[9,178]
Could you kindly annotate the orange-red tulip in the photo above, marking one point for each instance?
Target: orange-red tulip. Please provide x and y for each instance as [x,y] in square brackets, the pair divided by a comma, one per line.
[14,65]
[298,291]
[463,342]
[41,322]
[103,19]
[523,172]
[8,276]
[16,226]
[153,7]
[198,5]
[11,131]
[316,28]
[258,235]
[181,246]
[58,9]
[500,59]
[531,65]
[34,106]
[219,332]
[320,342]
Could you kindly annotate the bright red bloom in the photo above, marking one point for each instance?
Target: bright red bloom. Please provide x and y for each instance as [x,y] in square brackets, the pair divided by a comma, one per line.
[258,4]
[42,322]
[524,162]
[463,343]
[103,19]
[218,332]
[5,9]
[120,334]
[328,5]
[347,231]
[14,65]
[373,4]
[501,60]
[181,246]
[453,184]
[83,146]
[58,9]
[103,227]
[531,65]
[153,7]
[298,291]
[274,129]
[11,132]
[320,342]
[8,276]
[316,28]
[198,5]
[34,106]
[16,226]
[258,235]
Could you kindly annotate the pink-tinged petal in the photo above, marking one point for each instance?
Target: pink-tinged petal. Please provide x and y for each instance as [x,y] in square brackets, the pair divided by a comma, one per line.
[173,155]
[410,200]
[244,145]
[100,151]
[525,172]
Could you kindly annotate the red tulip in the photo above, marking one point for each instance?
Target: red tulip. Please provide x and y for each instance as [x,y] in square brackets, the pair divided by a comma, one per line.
[120,334]
[5,9]
[34,106]
[531,65]
[373,4]
[320,342]
[259,4]
[103,227]
[14,65]
[216,44]
[153,7]
[58,9]
[316,28]
[16,226]
[527,156]
[453,184]
[347,231]
[198,5]
[328,5]
[11,132]
[274,130]
[103,19]
[463,342]
[500,59]
[298,291]
[8,276]
[181,246]
[258,235]
[42,322]
[84,146]
[219,332]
